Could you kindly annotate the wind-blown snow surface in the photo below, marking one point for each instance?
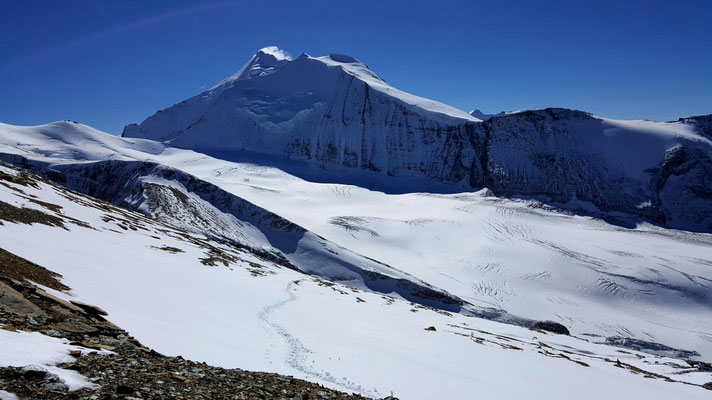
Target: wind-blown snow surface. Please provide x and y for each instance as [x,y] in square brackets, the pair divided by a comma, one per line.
[254,314]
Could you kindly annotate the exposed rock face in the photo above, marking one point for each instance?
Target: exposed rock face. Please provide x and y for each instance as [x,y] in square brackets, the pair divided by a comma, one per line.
[659,171]
[333,111]
[551,326]
[702,122]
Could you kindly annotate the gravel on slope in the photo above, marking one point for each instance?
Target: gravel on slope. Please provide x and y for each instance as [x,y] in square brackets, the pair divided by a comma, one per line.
[133,371]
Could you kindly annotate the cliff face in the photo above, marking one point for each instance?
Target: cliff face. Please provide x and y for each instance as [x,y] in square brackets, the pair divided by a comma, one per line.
[333,111]
[644,168]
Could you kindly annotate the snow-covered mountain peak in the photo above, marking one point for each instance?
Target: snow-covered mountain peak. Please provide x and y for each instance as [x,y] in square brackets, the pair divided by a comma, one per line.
[296,107]
[477,113]
[267,60]
[275,52]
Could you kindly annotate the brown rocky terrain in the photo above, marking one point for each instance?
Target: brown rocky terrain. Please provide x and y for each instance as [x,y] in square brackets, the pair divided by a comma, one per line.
[133,371]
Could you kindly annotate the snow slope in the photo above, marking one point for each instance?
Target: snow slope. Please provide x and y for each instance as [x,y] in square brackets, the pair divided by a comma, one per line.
[595,278]
[329,109]
[184,201]
[250,313]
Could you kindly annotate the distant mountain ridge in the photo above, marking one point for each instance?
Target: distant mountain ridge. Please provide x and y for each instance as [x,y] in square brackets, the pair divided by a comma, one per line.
[333,111]
[659,171]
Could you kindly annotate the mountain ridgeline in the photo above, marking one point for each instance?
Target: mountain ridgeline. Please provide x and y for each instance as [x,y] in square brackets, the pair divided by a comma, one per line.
[333,111]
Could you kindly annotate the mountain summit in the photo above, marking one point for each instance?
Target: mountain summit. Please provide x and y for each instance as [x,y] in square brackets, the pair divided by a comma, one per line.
[266,61]
[334,111]
[331,109]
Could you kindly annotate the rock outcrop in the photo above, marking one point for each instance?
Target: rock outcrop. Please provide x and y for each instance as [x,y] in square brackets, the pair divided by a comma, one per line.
[658,171]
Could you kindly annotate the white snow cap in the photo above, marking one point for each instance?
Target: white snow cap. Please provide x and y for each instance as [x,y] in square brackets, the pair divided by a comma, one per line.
[266,61]
[271,59]
[276,52]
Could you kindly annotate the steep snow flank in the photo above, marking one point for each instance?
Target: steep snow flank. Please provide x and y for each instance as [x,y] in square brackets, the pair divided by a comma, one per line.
[264,62]
[332,110]
[635,146]
[356,68]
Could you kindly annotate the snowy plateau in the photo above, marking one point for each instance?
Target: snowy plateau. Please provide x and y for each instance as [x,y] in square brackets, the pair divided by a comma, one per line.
[303,217]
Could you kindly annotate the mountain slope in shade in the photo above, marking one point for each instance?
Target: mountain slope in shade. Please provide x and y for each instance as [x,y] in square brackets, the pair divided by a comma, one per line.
[659,171]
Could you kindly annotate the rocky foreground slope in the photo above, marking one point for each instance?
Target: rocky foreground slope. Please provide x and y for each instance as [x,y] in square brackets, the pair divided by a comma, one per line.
[115,364]
[334,111]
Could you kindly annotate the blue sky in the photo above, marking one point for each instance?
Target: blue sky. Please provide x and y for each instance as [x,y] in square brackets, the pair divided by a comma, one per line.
[110,63]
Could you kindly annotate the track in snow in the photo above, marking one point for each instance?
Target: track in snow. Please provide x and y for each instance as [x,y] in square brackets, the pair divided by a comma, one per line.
[297,353]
